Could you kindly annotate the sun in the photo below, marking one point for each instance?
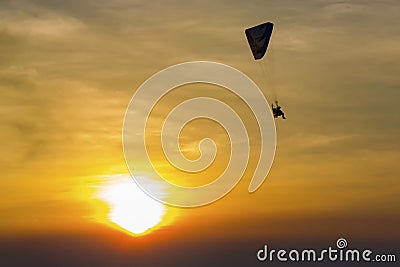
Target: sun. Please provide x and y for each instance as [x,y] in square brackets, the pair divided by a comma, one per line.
[130,209]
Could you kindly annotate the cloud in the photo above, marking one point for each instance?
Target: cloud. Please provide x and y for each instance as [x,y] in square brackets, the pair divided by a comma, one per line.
[340,9]
[42,25]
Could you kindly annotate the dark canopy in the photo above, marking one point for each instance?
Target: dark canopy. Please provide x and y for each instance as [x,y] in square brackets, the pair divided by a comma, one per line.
[258,38]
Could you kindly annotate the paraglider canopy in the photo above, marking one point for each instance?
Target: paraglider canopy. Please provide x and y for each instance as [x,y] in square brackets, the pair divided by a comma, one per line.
[258,38]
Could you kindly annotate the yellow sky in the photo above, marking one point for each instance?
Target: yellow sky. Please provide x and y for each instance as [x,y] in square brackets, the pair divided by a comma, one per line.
[68,71]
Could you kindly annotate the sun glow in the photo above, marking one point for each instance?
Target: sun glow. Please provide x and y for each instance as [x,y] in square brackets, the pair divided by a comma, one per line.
[130,209]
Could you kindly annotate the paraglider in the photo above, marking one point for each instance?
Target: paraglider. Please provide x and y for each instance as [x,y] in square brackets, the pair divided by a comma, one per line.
[277,111]
[258,38]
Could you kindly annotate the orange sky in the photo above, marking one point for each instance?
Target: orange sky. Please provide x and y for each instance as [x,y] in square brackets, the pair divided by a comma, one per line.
[68,71]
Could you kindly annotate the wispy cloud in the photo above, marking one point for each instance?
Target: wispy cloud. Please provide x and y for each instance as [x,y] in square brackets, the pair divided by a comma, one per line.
[42,25]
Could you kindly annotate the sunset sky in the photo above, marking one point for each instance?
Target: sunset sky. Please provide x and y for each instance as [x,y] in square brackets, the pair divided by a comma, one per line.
[68,70]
